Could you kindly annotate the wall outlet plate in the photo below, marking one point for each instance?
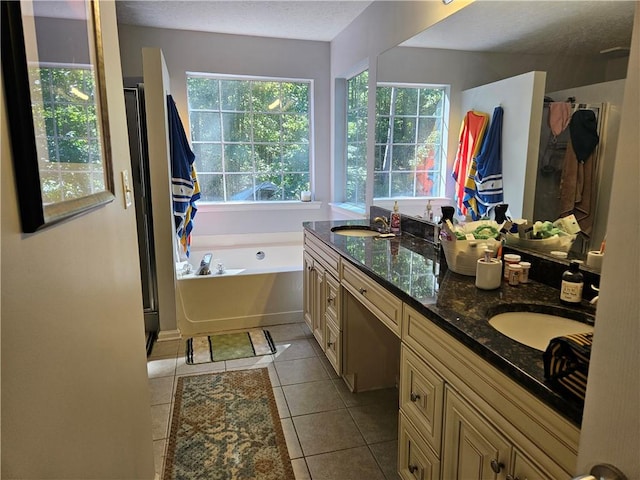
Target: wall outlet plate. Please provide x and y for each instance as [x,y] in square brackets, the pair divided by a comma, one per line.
[126,189]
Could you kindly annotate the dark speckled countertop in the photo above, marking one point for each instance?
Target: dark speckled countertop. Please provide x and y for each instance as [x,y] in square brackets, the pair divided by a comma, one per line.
[409,267]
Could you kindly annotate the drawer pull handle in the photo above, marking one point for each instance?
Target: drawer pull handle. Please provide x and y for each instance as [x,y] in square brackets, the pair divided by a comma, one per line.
[415,397]
[330,300]
[496,466]
[413,468]
[363,291]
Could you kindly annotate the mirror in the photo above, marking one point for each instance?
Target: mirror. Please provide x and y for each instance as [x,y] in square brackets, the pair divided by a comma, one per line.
[580,49]
[54,83]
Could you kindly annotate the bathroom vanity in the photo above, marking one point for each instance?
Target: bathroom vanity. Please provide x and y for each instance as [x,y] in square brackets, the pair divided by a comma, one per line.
[473,402]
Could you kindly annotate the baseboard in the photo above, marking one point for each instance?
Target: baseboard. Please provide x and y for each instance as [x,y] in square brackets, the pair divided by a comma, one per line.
[165,336]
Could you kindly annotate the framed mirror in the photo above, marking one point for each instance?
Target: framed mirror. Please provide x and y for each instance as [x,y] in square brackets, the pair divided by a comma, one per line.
[56,102]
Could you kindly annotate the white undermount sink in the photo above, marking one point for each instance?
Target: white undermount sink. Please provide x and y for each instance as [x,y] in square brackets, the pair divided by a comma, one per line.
[355,231]
[536,329]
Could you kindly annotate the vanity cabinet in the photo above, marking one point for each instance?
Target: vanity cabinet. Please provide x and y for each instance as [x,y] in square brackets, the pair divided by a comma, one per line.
[322,305]
[478,422]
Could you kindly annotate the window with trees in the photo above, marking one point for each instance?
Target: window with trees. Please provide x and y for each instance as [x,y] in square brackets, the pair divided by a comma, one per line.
[356,155]
[409,156]
[69,152]
[251,137]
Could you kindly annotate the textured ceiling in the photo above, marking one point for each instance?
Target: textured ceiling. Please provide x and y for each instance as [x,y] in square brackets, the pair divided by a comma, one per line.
[535,27]
[304,20]
[515,26]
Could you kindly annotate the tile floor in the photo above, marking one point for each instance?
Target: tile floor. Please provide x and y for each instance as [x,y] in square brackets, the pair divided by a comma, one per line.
[331,433]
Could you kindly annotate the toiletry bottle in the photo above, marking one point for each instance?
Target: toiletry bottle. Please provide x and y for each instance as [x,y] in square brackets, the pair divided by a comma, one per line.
[572,283]
[428,212]
[395,219]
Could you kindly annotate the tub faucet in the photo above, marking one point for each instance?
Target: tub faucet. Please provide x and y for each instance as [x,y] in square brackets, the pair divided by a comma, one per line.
[385,223]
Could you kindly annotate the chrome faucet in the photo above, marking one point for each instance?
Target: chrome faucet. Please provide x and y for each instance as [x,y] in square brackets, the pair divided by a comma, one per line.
[385,223]
[594,300]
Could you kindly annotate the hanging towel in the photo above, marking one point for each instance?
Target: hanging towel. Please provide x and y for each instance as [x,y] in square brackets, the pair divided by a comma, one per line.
[184,185]
[566,363]
[577,189]
[559,117]
[583,129]
[488,177]
[472,131]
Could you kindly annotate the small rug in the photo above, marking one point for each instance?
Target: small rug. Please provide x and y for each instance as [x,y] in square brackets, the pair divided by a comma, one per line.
[225,426]
[215,348]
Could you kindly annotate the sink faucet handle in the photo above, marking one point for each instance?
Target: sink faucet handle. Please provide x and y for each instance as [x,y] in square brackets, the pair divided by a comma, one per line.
[384,221]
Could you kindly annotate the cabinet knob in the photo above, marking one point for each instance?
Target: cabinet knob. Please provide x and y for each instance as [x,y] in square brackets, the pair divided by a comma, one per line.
[496,466]
[414,397]
[511,477]
[330,344]
[363,291]
[330,300]
[413,468]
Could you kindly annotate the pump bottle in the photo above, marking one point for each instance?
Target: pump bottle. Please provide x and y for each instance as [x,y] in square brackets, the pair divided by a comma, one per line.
[571,286]
[395,219]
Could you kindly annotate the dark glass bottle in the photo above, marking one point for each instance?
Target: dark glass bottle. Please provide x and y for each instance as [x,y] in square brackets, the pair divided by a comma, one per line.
[571,286]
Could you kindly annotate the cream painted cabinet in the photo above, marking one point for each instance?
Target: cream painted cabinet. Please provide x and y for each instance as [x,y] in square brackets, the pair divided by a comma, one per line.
[475,420]
[322,298]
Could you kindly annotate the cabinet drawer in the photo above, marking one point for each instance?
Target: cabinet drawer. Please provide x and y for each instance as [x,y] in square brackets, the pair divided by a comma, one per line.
[322,253]
[332,293]
[422,397]
[416,461]
[378,300]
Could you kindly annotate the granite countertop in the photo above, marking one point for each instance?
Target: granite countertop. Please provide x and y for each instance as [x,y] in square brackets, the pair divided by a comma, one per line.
[409,267]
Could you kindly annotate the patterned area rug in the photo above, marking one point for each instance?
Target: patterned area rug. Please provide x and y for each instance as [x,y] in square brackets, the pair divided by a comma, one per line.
[215,348]
[225,426]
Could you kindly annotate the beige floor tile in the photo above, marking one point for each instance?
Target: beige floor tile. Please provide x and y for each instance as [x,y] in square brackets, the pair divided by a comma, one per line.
[160,421]
[161,390]
[293,444]
[387,396]
[163,367]
[376,422]
[307,331]
[312,397]
[281,403]
[292,349]
[327,432]
[352,464]
[300,370]
[250,362]
[210,367]
[159,448]
[300,470]
[288,331]
[328,367]
[167,349]
[273,376]
[386,454]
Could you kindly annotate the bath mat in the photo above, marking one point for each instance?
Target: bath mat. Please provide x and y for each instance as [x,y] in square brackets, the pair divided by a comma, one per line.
[226,426]
[215,348]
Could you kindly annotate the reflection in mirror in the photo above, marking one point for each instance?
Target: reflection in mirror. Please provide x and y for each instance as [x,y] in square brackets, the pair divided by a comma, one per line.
[584,52]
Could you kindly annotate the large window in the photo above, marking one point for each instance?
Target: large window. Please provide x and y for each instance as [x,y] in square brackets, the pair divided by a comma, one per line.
[251,137]
[409,158]
[356,158]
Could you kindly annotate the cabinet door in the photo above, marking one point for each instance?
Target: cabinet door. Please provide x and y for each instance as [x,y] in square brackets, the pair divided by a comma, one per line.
[317,312]
[333,349]
[308,278]
[416,461]
[472,449]
[332,299]
[525,469]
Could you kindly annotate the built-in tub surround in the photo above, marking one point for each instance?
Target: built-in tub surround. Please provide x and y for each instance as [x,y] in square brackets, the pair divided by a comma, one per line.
[261,284]
[409,268]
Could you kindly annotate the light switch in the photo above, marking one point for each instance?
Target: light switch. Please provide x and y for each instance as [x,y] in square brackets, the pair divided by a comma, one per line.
[126,189]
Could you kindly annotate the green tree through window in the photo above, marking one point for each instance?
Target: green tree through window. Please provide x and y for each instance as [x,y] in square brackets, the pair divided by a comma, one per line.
[251,137]
[356,155]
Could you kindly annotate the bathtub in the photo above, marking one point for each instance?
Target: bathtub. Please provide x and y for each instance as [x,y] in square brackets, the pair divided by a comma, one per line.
[261,284]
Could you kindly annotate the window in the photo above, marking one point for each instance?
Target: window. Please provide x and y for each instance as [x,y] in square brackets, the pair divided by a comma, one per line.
[70,155]
[251,137]
[409,156]
[356,155]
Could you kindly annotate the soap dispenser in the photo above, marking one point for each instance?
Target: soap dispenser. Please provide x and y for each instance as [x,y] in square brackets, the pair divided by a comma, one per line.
[428,212]
[572,284]
[395,219]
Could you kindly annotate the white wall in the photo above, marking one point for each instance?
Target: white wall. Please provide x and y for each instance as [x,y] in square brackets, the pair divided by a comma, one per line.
[243,55]
[611,416]
[75,396]
[521,98]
